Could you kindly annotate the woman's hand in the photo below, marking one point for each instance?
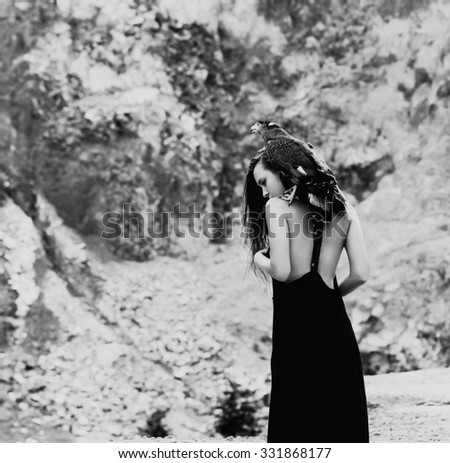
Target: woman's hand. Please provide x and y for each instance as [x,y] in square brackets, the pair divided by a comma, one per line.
[260,260]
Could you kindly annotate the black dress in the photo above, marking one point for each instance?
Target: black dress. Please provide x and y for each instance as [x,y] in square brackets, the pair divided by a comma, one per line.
[317,392]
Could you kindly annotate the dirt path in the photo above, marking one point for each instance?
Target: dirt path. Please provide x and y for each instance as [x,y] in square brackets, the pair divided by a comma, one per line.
[410,407]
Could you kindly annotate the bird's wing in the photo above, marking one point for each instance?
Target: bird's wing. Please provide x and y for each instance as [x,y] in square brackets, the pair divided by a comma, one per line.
[306,169]
[305,147]
[286,151]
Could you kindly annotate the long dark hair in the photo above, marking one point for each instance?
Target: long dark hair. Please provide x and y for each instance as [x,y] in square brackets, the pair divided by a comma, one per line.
[254,228]
[253,217]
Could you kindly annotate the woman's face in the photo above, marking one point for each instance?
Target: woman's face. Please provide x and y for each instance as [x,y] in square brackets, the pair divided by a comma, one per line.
[269,182]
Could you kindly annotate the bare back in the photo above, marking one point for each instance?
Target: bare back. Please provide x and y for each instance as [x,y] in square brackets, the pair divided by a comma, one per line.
[301,243]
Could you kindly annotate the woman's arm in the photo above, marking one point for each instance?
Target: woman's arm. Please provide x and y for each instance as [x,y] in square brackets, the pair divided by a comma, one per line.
[357,258]
[278,266]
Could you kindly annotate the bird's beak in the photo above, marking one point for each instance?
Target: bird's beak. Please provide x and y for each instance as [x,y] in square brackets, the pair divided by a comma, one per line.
[254,128]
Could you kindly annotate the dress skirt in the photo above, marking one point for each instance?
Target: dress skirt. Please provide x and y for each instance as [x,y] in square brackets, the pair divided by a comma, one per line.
[317,390]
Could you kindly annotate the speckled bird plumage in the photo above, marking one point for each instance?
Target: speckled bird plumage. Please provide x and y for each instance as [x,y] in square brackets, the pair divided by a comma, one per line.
[305,168]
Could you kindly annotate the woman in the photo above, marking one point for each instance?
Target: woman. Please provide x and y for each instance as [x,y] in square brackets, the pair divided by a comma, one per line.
[317,392]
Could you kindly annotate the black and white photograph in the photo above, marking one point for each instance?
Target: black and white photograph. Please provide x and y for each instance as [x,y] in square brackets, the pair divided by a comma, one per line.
[225,221]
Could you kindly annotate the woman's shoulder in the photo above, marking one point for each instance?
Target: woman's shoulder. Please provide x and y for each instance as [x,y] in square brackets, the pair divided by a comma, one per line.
[350,213]
[276,206]
[279,204]
[276,203]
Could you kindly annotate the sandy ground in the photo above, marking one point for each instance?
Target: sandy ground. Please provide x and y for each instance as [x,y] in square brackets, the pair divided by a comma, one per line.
[410,407]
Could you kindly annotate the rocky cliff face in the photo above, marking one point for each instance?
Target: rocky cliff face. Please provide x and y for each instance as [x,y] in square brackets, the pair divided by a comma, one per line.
[149,104]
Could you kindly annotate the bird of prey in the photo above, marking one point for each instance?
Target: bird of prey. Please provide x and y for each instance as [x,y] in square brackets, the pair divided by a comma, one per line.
[298,159]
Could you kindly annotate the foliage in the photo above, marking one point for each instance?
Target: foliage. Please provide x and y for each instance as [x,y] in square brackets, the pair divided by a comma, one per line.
[399,8]
[238,412]
[338,28]
[296,18]
[344,34]
[190,53]
[154,426]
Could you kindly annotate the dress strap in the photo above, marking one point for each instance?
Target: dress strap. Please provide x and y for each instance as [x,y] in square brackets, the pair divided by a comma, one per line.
[318,232]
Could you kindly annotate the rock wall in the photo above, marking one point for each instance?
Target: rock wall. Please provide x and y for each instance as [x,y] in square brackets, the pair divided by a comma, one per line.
[129,102]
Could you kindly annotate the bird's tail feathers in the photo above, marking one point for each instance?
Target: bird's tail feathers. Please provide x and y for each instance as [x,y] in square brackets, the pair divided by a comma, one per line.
[298,172]
[318,201]
[331,204]
[347,205]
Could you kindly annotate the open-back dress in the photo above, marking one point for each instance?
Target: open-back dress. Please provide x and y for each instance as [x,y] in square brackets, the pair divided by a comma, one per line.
[317,391]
